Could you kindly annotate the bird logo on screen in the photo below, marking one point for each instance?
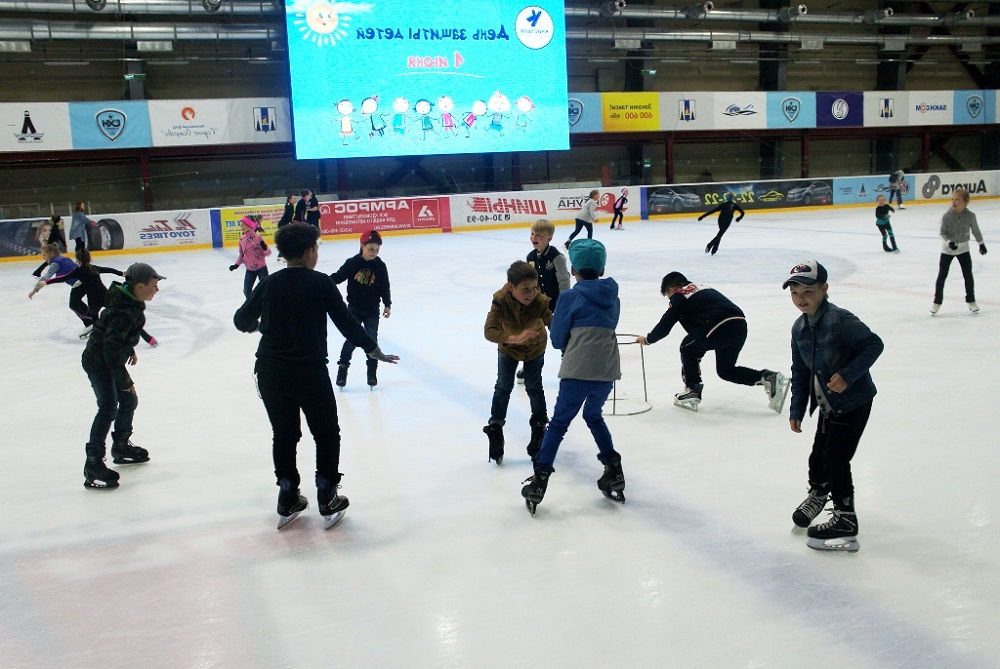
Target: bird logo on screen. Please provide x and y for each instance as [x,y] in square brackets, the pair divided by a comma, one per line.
[324,23]
[533,18]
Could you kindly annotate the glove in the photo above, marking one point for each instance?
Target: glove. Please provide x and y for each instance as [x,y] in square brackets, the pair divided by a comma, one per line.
[953,246]
[739,219]
[263,246]
[377,354]
[233,267]
[982,249]
[700,217]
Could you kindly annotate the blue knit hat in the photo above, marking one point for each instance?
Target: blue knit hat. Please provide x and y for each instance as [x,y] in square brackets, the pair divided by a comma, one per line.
[588,254]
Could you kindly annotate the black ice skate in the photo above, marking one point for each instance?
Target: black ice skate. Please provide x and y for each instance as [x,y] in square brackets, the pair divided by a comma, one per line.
[612,481]
[331,505]
[689,399]
[290,503]
[341,375]
[495,433]
[534,491]
[127,453]
[372,378]
[537,424]
[776,386]
[840,533]
[810,507]
[97,476]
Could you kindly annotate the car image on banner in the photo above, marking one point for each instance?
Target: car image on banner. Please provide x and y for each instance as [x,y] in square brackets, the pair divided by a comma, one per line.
[815,192]
[671,199]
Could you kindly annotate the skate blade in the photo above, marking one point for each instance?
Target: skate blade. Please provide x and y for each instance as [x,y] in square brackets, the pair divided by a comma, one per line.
[532,506]
[331,520]
[848,544]
[498,460]
[123,461]
[690,405]
[615,496]
[283,521]
[99,485]
[777,403]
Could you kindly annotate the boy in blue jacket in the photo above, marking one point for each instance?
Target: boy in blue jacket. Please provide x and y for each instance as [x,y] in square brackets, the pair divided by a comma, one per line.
[832,351]
[583,328]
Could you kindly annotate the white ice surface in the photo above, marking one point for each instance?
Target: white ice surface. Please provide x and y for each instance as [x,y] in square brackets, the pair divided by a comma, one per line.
[437,563]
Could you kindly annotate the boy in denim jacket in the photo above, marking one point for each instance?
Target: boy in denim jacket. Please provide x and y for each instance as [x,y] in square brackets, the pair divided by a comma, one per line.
[832,351]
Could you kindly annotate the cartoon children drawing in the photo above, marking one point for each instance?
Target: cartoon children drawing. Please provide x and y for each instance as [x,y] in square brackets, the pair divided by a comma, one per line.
[498,105]
[345,108]
[423,109]
[524,105]
[369,108]
[469,120]
[400,106]
[447,105]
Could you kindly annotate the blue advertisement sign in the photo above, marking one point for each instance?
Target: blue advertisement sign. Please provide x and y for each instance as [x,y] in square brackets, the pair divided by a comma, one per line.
[864,190]
[840,110]
[791,109]
[110,125]
[974,107]
[397,77]
[585,112]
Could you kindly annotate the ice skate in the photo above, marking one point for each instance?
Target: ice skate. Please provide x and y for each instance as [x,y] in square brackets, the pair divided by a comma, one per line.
[341,375]
[612,481]
[97,476]
[153,343]
[290,503]
[689,399]
[86,331]
[840,533]
[534,491]
[537,424]
[901,207]
[776,386]
[332,506]
[935,308]
[619,227]
[810,507]
[372,377]
[495,433]
[973,307]
[127,453]
[520,376]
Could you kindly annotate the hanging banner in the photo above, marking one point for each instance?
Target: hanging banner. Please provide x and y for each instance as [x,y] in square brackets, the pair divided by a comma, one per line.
[35,126]
[840,110]
[110,125]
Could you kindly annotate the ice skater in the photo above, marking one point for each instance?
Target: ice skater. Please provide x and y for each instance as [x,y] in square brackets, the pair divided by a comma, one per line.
[110,348]
[550,263]
[583,328]
[897,182]
[586,217]
[290,310]
[57,265]
[253,254]
[725,209]
[882,213]
[956,225]
[619,209]
[832,353]
[712,323]
[79,227]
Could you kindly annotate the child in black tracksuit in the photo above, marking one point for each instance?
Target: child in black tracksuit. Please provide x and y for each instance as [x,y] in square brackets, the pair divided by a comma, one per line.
[367,285]
[291,310]
[882,213]
[712,323]
[725,209]
[832,353]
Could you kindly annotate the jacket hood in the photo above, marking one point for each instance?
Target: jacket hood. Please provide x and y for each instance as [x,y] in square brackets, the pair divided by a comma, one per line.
[601,292]
[120,296]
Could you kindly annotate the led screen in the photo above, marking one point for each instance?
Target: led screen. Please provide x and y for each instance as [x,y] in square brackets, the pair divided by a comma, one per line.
[409,77]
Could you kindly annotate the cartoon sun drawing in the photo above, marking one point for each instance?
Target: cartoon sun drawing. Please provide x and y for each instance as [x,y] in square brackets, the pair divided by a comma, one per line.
[324,23]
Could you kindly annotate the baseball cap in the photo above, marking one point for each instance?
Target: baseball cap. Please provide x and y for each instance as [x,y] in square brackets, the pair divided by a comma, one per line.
[371,237]
[808,273]
[588,254]
[140,272]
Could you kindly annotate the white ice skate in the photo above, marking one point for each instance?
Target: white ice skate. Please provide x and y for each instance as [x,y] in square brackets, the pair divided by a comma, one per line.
[848,544]
[776,386]
[86,331]
[973,307]
[689,399]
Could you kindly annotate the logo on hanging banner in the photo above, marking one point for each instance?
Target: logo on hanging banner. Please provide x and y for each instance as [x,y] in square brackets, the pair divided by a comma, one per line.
[840,109]
[264,119]
[885,107]
[575,111]
[736,110]
[791,107]
[974,105]
[28,134]
[686,110]
[111,123]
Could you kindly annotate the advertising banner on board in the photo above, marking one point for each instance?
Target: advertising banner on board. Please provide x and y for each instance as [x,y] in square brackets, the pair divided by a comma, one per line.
[701,197]
[385,214]
[35,126]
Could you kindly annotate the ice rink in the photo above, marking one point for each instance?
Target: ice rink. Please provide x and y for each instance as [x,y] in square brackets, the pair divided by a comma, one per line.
[437,563]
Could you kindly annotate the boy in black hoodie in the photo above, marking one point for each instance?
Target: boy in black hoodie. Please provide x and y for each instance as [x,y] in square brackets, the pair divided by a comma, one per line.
[367,285]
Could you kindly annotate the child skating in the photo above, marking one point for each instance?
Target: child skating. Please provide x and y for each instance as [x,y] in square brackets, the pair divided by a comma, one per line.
[725,209]
[832,353]
[956,225]
[586,217]
[583,328]
[253,254]
[883,210]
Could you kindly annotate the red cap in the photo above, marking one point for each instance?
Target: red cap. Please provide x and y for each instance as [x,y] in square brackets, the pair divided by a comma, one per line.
[371,237]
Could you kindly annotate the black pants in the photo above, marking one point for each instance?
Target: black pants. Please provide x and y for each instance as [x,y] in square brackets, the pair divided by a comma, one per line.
[835,443]
[618,217]
[965,262]
[580,225]
[887,236]
[369,321]
[286,393]
[113,407]
[713,245]
[79,307]
[727,342]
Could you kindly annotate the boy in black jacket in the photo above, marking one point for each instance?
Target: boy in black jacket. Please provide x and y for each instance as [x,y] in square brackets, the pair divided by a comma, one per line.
[111,346]
[290,310]
[712,322]
[367,285]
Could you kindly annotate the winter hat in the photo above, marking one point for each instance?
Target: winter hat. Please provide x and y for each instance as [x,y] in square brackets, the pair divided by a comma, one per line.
[371,237]
[808,273]
[588,254]
[140,272]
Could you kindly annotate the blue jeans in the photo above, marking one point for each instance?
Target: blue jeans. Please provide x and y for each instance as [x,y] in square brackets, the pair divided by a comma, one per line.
[112,407]
[250,277]
[506,369]
[573,394]
[370,323]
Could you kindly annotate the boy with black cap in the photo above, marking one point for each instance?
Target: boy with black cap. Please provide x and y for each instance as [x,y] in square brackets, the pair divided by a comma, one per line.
[832,353]
[111,346]
[367,284]
[583,328]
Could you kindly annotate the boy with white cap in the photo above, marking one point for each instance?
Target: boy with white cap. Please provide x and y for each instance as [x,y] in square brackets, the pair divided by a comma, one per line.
[832,353]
